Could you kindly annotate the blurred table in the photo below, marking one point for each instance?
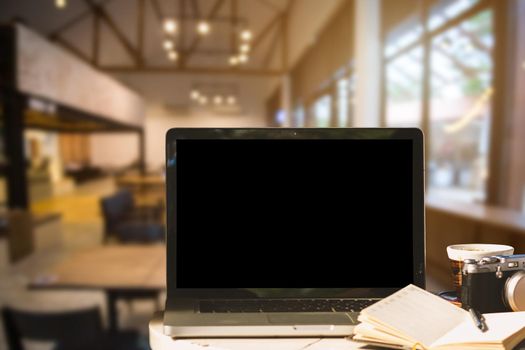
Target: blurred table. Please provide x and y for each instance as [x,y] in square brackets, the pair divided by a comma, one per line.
[141,182]
[452,222]
[121,271]
[148,190]
[159,341]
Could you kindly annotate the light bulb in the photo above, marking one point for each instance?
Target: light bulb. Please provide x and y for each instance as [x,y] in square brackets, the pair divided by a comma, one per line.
[170,26]
[173,55]
[217,100]
[194,95]
[203,100]
[231,100]
[168,45]
[60,3]
[203,28]
[243,58]
[234,60]
[244,48]
[246,35]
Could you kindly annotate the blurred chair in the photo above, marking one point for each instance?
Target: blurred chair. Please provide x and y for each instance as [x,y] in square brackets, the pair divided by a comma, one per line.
[71,330]
[130,223]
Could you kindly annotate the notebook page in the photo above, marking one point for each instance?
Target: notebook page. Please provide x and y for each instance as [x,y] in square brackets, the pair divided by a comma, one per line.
[365,331]
[500,327]
[417,314]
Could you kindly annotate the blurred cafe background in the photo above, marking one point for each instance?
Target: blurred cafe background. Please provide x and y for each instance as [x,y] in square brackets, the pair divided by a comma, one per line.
[88,89]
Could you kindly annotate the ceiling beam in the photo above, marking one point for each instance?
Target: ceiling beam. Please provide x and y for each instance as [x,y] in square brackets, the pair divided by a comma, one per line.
[190,70]
[182,27]
[270,5]
[271,50]
[95,35]
[73,50]
[233,24]
[157,10]
[141,24]
[101,12]
[215,19]
[285,31]
[195,8]
[216,7]
[55,33]
[265,31]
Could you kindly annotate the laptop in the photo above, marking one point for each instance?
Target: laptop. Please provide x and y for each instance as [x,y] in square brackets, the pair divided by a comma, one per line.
[282,232]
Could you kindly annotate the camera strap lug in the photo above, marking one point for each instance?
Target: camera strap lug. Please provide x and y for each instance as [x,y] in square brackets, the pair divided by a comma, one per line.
[499,274]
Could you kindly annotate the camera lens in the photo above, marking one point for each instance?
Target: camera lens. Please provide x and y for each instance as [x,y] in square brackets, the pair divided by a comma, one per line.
[515,291]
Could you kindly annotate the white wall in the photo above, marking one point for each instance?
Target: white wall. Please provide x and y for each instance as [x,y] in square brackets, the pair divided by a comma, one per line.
[160,119]
[169,105]
[307,18]
[114,150]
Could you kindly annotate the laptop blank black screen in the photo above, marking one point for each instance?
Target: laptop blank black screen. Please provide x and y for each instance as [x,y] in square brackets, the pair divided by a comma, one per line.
[294,213]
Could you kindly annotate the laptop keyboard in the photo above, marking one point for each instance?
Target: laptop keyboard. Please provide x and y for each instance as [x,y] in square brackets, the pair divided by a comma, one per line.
[287,305]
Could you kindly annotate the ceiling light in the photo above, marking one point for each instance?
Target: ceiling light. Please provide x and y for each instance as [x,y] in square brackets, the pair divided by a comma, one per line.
[243,58]
[217,100]
[194,95]
[173,55]
[203,28]
[168,44]
[170,26]
[231,100]
[244,48]
[203,100]
[246,35]
[60,3]
[234,60]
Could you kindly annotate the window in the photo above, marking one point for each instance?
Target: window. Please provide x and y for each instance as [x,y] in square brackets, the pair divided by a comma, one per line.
[444,10]
[404,89]
[342,102]
[298,116]
[461,75]
[448,94]
[323,111]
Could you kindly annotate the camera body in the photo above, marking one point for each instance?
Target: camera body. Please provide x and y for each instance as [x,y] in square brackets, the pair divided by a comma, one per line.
[494,284]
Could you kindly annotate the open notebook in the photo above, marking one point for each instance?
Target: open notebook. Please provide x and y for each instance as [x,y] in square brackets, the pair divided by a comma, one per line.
[415,318]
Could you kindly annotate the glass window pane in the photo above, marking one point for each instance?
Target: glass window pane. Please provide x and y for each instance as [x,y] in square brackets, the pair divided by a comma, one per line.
[444,10]
[402,24]
[323,111]
[404,89]
[298,117]
[461,90]
[342,102]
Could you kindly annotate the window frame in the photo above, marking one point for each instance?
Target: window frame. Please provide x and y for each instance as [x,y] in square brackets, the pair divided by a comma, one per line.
[499,9]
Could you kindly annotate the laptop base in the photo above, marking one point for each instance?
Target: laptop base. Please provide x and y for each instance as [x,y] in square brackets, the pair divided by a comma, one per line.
[271,324]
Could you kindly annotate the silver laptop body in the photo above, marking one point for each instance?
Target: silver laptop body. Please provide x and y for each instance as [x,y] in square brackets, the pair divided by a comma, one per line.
[289,232]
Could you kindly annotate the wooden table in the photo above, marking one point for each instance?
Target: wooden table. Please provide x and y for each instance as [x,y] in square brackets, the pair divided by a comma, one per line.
[159,341]
[121,271]
[482,213]
[451,222]
[141,182]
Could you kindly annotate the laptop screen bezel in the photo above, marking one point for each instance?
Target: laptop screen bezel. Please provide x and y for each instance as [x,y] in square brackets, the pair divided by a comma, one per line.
[418,225]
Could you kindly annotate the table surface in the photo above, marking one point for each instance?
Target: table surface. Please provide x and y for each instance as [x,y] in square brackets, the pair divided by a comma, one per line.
[137,267]
[159,341]
[497,216]
[141,180]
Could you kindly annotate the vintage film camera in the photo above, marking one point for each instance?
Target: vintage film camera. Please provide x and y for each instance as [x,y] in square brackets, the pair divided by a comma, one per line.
[494,284]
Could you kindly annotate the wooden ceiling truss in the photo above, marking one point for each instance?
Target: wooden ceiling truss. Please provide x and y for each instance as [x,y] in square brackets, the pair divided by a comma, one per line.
[188,10]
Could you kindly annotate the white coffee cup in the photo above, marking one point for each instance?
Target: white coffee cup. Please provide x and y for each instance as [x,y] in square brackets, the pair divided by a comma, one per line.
[459,252]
